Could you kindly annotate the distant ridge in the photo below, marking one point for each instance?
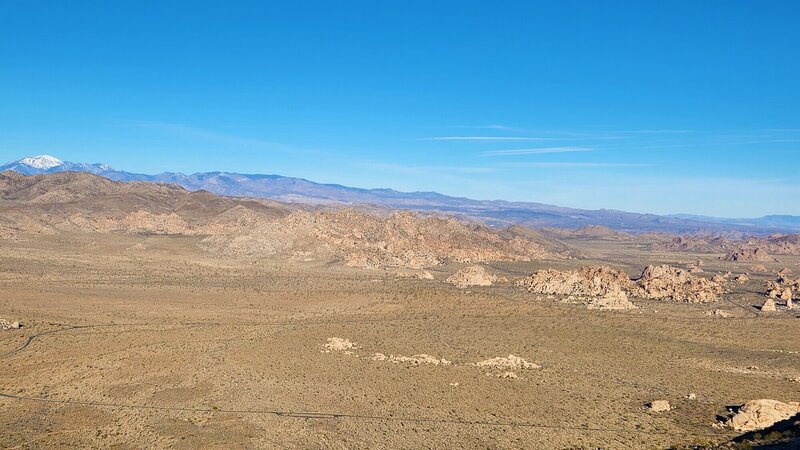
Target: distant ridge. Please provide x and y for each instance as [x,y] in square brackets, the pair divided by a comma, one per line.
[491,212]
[775,220]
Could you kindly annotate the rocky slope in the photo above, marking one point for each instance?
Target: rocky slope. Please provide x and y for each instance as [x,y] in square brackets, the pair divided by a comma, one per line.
[81,202]
[403,239]
[491,212]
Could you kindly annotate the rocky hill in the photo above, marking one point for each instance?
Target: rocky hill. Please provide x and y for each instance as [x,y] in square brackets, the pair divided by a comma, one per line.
[753,248]
[236,227]
[497,213]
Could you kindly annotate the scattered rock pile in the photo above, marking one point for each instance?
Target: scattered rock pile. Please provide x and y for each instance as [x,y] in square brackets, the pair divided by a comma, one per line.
[415,360]
[717,313]
[659,406]
[508,375]
[587,281]
[510,362]
[336,344]
[763,413]
[667,282]
[719,279]
[472,276]
[504,366]
[615,300]
[7,325]
[783,288]
[656,282]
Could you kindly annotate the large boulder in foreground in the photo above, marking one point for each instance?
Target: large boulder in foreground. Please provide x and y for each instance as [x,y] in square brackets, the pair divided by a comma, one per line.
[762,413]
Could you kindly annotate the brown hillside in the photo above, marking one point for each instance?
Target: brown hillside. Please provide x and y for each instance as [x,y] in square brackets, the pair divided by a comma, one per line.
[235,227]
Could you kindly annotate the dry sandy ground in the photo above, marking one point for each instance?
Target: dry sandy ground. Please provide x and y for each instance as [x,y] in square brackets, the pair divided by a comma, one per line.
[163,346]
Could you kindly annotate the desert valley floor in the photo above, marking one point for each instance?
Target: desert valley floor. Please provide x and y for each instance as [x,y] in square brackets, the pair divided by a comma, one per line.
[134,341]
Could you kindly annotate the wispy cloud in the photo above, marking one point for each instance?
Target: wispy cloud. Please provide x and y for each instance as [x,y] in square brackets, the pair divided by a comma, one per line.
[653,131]
[773,141]
[576,165]
[426,170]
[536,151]
[488,127]
[491,138]
[601,134]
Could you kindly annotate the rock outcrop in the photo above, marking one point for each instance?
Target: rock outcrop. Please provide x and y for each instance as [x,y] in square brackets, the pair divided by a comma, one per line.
[658,406]
[747,254]
[769,306]
[667,282]
[471,276]
[614,300]
[719,279]
[656,282]
[8,325]
[696,244]
[586,281]
[415,360]
[336,344]
[736,248]
[402,239]
[783,289]
[510,362]
[763,413]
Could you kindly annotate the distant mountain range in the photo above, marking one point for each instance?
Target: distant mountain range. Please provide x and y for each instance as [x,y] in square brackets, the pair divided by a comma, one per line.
[776,221]
[492,212]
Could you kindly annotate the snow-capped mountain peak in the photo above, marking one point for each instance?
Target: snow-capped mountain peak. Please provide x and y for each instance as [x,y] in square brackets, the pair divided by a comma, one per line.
[42,162]
[34,165]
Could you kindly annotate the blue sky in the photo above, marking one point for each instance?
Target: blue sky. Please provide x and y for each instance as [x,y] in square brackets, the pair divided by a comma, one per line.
[663,107]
